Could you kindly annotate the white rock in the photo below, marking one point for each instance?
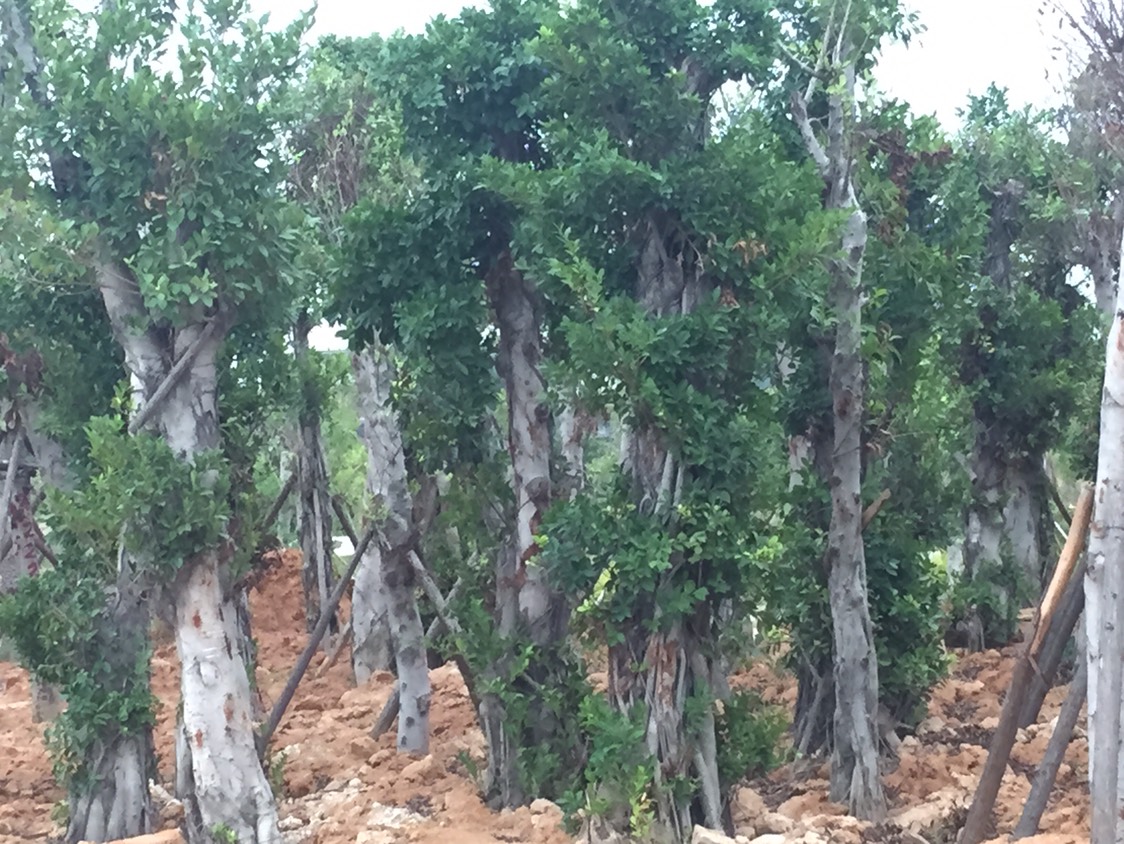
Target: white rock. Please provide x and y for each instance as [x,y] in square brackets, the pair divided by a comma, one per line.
[702,835]
[771,838]
[773,823]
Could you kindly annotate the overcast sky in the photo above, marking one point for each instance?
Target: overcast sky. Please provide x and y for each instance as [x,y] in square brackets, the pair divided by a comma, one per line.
[967,45]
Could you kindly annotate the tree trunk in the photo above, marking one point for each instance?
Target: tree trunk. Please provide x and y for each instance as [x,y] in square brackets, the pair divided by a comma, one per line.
[526,604]
[1104,601]
[387,484]
[21,538]
[223,785]
[662,662]
[855,775]
[315,497]
[115,803]
[519,361]
[1004,525]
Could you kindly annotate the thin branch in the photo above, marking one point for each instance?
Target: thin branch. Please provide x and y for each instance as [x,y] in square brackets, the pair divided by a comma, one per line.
[313,643]
[172,378]
[10,481]
[815,148]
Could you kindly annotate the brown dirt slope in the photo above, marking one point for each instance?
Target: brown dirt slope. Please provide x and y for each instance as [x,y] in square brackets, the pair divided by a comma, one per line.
[342,787]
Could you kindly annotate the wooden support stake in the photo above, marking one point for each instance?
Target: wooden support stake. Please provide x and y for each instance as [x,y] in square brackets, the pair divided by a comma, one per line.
[1055,752]
[1074,543]
[337,649]
[278,503]
[977,826]
[314,642]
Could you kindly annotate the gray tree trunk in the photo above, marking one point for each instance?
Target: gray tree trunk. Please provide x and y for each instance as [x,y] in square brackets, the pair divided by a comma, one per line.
[1104,601]
[21,540]
[221,781]
[526,603]
[315,499]
[117,804]
[387,484]
[855,776]
[662,662]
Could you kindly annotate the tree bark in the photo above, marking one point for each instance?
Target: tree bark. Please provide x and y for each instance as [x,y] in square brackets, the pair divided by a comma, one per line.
[222,784]
[115,803]
[22,541]
[387,484]
[855,776]
[1104,600]
[315,498]
[661,662]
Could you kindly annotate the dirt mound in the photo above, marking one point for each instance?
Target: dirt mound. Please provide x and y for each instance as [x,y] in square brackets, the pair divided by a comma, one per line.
[342,787]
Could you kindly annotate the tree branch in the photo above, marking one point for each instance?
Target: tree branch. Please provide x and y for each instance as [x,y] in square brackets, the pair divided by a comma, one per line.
[137,423]
[811,142]
[10,481]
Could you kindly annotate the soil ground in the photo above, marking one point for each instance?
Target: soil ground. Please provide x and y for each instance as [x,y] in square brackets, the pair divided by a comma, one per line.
[342,787]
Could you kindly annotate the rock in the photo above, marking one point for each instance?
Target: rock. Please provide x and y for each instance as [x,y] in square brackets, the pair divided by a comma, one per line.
[168,836]
[748,807]
[773,823]
[362,747]
[289,824]
[375,836]
[1022,737]
[702,835]
[910,743]
[990,723]
[930,726]
[380,757]
[770,838]
[424,771]
[545,815]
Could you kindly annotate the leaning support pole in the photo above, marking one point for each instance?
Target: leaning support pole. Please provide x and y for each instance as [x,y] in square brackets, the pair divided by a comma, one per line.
[1055,752]
[976,827]
[313,643]
[1053,646]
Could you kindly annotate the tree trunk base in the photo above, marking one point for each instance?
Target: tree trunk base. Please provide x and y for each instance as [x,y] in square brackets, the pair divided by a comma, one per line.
[118,805]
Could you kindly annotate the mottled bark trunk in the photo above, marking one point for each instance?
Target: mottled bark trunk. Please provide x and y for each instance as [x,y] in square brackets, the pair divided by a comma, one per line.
[314,496]
[516,305]
[1004,530]
[1104,602]
[222,783]
[526,603]
[855,775]
[387,484]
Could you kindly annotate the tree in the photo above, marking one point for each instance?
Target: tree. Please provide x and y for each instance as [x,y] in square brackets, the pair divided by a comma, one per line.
[855,775]
[169,180]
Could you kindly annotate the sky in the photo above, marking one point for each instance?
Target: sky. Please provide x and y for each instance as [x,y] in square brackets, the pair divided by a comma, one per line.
[967,45]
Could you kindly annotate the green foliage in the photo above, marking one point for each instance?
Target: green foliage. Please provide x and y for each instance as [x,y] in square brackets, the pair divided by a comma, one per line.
[749,734]
[170,509]
[619,770]
[61,626]
[995,592]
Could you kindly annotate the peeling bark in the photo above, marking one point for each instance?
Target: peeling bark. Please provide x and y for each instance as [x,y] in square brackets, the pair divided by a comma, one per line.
[387,484]
[526,603]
